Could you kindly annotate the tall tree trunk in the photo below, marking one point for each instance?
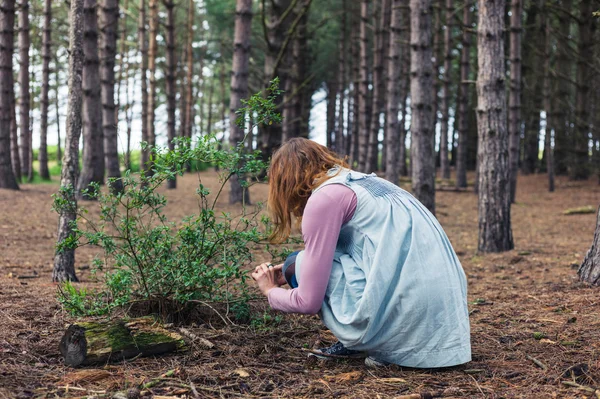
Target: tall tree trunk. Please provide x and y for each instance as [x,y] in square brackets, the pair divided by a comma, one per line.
[152,53]
[421,93]
[533,87]
[435,50]
[387,20]
[404,89]
[331,131]
[300,94]
[7,19]
[579,168]
[495,233]
[564,66]
[123,64]
[514,99]
[339,138]
[393,93]
[209,121]
[445,100]
[44,101]
[14,132]
[189,102]
[239,86]
[463,102]
[143,47]
[24,95]
[93,148]
[57,109]
[547,95]
[64,260]
[170,87]
[356,101]
[109,20]
[363,89]
[378,88]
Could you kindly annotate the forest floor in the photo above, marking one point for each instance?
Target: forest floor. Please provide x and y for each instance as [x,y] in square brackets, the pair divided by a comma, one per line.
[533,325]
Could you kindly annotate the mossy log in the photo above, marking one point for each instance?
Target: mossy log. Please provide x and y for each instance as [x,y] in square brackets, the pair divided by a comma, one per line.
[589,271]
[89,343]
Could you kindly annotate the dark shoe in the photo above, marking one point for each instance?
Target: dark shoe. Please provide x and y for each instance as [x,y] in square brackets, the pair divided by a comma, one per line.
[337,350]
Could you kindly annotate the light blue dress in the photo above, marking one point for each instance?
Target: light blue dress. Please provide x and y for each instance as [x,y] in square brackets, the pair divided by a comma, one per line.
[397,289]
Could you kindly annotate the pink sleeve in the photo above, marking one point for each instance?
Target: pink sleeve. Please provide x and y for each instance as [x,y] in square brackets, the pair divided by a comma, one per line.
[325,213]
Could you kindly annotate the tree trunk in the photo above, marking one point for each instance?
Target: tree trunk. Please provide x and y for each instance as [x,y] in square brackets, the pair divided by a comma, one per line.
[64,261]
[88,343]
[463,102]
[152,53]
[143,47]
[24,95]
[579,168]
[331,131]
[356,101]
[239,87]
[189,102]
[339,138]
[589,271]
[495,233]
[14,132]
[109,20]
[209,119]
[564,97]
[445,100]
[363,89]
[393,94]
[547,95]
[44,100]
[93,148]
[57,109]
[7,18]
[404,89]
[514,99]
[378,88]
[421,93]
[170,87]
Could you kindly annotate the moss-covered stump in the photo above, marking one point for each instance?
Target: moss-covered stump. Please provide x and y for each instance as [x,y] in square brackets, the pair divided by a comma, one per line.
[88,343]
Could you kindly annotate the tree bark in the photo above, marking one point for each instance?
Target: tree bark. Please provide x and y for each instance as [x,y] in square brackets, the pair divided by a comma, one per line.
[44,100]
[564,67]
[7,18]
[170,86]
[589,271]
[339,138]
[514,99]
[363,88]
[393,94]
[495,233]
[93,148]
[239,87]
[421,93]
[143,47]
[547,95]
[57,109]
[378,88]
[445,100]
[356,64]
[579,168]
[24,95]
[404,89]
[64,261]
[152,53]
[14,132]
[331,130]
[88,343]
[463,102]
[189,102]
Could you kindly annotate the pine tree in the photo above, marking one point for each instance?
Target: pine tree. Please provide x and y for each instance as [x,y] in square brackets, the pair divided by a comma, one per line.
[44,100]
[514,99]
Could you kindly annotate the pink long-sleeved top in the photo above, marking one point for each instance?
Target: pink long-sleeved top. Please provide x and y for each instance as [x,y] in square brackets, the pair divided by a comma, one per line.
[325,213]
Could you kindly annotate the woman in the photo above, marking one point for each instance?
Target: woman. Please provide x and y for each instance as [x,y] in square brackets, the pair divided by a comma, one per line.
[377,266]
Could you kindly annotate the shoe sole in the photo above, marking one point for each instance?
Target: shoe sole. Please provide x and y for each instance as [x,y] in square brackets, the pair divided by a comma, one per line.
[375,364]
[323,356]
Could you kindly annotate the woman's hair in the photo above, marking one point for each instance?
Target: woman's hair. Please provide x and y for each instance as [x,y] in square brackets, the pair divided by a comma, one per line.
[297,167]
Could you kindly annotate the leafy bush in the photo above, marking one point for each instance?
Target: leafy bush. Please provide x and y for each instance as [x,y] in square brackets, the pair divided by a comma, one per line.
[162,266]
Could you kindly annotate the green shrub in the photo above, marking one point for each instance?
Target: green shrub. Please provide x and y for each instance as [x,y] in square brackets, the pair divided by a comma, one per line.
[152,262]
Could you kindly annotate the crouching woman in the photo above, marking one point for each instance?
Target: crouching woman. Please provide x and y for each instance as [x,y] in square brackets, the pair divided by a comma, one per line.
[377,266]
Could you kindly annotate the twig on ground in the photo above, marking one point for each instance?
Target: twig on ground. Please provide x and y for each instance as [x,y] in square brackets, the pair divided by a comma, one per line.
[578,386]
[537,362]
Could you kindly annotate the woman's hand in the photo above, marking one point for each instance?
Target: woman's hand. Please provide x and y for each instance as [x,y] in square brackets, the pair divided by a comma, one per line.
[268,276]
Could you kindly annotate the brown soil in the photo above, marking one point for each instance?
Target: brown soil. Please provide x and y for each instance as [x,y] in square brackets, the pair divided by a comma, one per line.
[514,298]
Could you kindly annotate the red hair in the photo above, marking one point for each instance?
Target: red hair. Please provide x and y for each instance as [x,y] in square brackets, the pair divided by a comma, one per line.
[297,168]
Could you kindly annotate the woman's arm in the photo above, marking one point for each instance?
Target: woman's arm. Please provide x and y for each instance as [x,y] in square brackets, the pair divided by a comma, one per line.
[325,213]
